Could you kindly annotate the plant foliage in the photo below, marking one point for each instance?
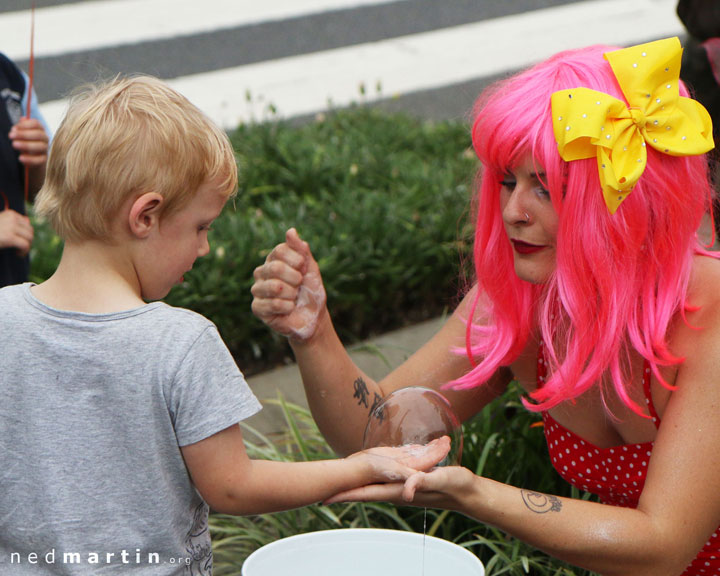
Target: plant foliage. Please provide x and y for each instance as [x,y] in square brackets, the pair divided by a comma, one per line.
[503,443]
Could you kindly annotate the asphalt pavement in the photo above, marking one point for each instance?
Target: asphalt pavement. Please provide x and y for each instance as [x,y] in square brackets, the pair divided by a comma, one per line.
[238,59]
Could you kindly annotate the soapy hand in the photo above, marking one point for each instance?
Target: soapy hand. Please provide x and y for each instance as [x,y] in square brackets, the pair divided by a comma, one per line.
[398,464]
[288,293]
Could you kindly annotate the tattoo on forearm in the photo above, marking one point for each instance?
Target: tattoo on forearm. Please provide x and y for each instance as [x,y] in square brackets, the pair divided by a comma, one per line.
[361,392]
[362,395]
[376,401]
[540,503]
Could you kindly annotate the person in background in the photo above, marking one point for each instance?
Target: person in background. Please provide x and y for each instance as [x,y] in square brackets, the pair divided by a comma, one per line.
[591,290]
[701,72]
[23,150]
[701,54]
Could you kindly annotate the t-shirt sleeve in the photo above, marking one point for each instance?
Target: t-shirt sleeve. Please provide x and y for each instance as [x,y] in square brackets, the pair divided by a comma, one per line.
[209,393]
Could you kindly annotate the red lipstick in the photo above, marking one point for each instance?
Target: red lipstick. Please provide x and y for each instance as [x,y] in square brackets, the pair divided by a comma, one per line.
[525,248]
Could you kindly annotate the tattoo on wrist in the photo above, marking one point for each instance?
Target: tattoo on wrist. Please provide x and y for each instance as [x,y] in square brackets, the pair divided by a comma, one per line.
[540,503]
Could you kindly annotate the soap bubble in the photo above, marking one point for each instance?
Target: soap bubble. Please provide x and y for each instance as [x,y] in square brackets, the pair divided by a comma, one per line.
[414,415]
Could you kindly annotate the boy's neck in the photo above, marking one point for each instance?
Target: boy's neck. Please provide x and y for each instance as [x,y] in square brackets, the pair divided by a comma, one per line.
[93,277]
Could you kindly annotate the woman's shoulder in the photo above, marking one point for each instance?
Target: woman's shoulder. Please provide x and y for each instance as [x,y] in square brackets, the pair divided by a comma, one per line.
[701,318]
[704,288]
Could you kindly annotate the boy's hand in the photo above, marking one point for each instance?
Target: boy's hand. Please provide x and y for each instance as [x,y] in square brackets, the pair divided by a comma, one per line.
[398,464]
[15,231]
[288,293]
[30,139]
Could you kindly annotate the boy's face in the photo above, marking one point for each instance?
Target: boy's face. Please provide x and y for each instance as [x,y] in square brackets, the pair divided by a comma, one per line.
[179,240]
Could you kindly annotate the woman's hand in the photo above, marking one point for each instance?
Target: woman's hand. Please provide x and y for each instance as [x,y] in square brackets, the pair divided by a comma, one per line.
[288,293]
[445,487]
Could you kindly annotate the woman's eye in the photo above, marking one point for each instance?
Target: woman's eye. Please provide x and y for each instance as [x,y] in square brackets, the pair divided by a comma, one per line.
[510,182]
[540,191]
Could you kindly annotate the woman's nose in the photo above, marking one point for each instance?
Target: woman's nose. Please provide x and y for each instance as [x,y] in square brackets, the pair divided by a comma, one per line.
[515,210]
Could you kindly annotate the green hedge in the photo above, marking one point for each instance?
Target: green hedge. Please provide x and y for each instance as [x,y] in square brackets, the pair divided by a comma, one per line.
[382,199]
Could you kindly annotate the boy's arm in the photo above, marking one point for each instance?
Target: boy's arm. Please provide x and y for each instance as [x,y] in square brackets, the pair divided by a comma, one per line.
[678,510]
[232,483]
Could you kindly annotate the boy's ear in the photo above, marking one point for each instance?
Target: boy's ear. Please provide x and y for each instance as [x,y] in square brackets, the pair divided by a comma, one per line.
[144,214]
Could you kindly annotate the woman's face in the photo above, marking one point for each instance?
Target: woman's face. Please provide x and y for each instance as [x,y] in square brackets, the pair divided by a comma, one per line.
[530,220]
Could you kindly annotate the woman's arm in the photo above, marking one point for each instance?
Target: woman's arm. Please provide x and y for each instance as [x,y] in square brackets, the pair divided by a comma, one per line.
[680,504]
[341,396]
[290,298]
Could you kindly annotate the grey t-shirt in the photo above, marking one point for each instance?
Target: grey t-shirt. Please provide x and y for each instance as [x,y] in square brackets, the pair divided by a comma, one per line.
[93,411]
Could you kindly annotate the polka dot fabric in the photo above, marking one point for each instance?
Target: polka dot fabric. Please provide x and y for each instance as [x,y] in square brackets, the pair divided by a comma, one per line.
[617,474]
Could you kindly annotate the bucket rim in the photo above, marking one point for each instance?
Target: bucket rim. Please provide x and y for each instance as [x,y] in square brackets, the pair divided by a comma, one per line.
[337,532]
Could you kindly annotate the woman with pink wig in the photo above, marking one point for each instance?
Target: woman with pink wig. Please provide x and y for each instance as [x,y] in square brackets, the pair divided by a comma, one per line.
[592,290]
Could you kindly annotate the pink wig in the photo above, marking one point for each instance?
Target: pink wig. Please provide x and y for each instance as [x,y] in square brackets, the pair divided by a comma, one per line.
[620,278]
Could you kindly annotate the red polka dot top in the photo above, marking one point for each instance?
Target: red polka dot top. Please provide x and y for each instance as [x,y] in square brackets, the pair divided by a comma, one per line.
[616,474]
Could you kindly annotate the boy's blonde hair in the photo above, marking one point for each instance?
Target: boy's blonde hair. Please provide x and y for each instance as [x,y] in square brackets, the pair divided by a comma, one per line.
[124,138]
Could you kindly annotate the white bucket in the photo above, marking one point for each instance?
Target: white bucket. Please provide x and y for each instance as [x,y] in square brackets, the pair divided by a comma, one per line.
[362,552]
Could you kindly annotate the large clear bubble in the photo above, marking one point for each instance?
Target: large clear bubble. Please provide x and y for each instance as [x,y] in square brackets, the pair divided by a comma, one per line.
[414,415]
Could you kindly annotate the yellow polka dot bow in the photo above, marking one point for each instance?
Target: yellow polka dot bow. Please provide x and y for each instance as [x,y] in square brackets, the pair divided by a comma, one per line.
[588,123]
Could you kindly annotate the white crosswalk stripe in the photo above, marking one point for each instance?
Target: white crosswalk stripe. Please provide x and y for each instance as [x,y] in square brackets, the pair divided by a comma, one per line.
[305,84]
[92,25]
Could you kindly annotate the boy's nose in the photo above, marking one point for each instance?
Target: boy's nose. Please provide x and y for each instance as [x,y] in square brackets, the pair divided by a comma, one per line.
[204,248]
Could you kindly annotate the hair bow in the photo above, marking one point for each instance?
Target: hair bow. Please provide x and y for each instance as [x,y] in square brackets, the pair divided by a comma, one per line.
[589,123]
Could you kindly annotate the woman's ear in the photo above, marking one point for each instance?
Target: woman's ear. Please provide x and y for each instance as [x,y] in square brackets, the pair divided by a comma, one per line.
[144,214]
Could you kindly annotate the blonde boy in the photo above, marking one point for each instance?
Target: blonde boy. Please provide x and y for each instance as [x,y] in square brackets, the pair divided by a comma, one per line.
[118,426]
